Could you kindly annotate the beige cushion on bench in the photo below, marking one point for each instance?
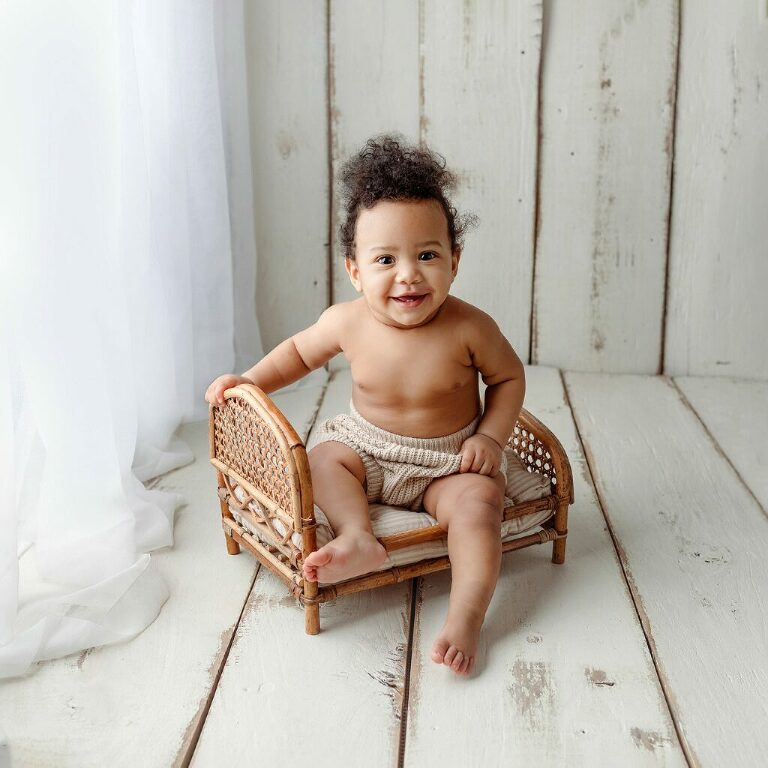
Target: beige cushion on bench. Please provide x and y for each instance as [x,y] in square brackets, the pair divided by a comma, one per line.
[386,520]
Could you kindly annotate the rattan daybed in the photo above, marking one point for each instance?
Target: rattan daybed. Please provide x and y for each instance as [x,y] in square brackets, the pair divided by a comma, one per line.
[265,493]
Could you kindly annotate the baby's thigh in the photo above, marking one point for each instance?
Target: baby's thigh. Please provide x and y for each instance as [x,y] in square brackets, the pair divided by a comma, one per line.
[468,494]
[330,454]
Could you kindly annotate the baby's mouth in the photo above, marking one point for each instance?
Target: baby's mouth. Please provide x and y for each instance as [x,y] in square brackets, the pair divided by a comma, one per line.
[410,301]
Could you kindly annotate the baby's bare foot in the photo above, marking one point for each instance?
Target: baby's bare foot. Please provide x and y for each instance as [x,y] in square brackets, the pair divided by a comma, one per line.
[456,645]
[344,557]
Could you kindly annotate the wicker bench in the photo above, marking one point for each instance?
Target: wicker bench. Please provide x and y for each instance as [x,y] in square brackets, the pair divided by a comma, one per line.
[265,495]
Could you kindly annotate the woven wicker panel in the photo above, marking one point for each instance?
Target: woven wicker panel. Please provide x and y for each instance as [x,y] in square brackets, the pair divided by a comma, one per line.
[272,530]
[533,452]
[245,443]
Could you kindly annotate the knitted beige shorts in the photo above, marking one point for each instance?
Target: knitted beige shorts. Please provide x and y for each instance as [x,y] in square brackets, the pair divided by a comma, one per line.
[398,468]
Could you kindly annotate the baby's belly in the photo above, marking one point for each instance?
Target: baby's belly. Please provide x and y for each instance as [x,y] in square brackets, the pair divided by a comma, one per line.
[431,414]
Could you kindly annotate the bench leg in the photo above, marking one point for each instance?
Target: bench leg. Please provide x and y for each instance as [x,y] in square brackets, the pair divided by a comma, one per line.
[311,610]
[233,548]
[312,619]
[561,527]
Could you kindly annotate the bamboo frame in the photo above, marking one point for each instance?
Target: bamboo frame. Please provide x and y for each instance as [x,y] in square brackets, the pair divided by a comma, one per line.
[543,453]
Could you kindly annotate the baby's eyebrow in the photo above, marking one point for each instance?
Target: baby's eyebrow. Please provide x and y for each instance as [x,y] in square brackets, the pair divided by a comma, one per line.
[394,247]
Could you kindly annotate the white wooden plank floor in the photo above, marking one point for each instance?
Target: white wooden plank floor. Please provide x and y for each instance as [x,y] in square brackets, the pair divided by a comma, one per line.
[647,647]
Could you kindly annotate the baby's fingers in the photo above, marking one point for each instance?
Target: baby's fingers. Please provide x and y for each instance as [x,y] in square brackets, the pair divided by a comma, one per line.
[476,464]
[213,395]
[481,463]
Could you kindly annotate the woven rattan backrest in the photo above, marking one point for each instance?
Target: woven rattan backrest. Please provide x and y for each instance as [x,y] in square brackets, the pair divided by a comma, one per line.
[526,441]
[252,442]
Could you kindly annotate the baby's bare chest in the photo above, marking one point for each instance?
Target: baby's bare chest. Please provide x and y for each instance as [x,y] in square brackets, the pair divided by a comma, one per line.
[409,368]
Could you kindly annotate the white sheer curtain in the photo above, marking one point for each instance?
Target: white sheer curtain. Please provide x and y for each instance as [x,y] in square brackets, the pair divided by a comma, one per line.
[126,253]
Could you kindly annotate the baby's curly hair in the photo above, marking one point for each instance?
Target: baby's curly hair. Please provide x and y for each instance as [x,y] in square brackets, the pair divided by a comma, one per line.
[387,168]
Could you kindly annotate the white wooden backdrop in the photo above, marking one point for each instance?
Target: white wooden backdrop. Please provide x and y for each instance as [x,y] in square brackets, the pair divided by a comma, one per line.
[616,152]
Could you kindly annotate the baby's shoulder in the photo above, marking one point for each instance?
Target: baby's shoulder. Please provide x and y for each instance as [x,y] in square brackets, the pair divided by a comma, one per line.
[342,311]
[344,318]
[466,315]
[473,328]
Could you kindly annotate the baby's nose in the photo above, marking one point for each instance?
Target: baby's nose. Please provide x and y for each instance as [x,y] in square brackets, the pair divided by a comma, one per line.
[408,273]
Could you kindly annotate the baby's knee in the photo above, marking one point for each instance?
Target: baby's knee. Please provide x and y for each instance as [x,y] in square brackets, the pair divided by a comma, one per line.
[330,455]
[482,488]
[481,497]
[325,455]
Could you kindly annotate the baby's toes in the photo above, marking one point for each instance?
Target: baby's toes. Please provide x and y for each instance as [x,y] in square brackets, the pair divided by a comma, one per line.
[450,655]
[438,651]
[457,661]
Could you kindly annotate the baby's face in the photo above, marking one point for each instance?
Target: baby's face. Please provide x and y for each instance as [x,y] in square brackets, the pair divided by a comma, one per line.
[403,247]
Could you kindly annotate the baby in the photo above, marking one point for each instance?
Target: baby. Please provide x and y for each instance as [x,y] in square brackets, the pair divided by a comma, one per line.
[417,435]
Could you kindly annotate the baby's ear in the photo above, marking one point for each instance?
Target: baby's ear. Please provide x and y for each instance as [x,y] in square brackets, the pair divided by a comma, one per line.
[353,271]
[455,257]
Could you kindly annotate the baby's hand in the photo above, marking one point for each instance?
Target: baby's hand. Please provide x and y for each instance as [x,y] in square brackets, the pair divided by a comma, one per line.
[215,392]
[481,454]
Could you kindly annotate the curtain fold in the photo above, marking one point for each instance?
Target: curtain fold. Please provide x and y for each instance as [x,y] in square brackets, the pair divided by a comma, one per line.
[126,251]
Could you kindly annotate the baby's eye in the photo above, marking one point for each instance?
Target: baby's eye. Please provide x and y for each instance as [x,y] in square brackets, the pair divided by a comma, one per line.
[428,253]
[378,261]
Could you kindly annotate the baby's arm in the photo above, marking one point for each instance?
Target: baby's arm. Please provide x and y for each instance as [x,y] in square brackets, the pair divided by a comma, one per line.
[290,360]
[502,372]
[301,353]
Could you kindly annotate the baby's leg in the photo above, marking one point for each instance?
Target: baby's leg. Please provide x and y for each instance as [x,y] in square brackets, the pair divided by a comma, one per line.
[469,506]
[338,476]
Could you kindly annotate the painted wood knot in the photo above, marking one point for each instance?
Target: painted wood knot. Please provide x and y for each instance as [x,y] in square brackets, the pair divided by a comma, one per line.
[598,677]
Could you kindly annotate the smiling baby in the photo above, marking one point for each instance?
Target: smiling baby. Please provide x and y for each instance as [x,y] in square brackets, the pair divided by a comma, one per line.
[417,434]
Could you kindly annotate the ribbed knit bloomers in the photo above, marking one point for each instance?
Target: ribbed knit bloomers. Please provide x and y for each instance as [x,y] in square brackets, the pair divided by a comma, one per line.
[399,468]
